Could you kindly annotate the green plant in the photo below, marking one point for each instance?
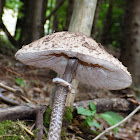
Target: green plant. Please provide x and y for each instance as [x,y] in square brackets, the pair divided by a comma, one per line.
[19,81]
[110,117]
[47,117]
[90,116]
[13,5]
[11,131]
[68,116]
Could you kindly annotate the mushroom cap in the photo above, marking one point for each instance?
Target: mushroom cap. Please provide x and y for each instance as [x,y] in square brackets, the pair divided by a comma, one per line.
[96,67]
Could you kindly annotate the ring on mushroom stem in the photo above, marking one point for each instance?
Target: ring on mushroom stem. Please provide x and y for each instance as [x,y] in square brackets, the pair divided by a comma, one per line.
[74,53]
[62,82]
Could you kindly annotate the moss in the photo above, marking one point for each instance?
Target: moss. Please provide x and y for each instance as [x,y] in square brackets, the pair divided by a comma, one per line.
[67,120]
[11,131]
[68,116]
[47,117]
[63,133]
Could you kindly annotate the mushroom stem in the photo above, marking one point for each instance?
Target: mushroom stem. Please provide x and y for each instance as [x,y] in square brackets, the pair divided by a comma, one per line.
[59,101]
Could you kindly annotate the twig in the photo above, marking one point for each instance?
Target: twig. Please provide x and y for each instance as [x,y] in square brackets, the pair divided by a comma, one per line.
[32,127]
[27,130]
[116,125]
[8,101]
[16,91]
[13,72]
[39,124]
[25,99]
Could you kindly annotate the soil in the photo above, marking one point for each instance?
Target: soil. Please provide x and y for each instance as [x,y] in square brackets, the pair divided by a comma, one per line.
[37,86]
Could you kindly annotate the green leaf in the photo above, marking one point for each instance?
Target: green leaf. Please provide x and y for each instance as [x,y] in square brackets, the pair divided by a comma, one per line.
[116,117]
[97,125]
[112,118]
[89,121]
[92,106]
[14,5]
[96,132]
[86,112]
[19,81]
[109,119]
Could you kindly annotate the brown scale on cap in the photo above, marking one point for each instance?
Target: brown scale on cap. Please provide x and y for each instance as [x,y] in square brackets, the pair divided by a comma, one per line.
[96,67]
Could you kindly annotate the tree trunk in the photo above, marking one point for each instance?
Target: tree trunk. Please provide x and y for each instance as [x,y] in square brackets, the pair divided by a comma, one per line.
[23,24]
[82,17]
[130,53]
[32,24]
[94,27]
[105,37]
[69,11]
[2,2]
[37,22]
[55,20]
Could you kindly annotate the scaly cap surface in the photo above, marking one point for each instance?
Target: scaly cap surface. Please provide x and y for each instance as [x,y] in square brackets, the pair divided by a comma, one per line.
[96,67]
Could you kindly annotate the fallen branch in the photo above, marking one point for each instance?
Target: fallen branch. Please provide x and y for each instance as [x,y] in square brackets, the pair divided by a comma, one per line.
[39,124]
[118,124]
[102,105]
[20,112]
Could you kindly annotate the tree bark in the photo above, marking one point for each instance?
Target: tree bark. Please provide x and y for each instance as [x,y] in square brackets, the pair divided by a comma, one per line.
[105,37]
[20,112]
[130,51]
[39,124]
[94,27]
[103,105]
[70,6]
[2,2]
[32,24]
[82,17]
[55,20]
[37,22]
[24,24]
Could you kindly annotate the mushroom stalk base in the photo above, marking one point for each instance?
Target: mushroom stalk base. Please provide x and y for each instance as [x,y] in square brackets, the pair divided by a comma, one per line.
[60,100]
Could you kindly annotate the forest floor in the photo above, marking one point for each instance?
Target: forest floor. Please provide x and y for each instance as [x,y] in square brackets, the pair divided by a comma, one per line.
[37,84]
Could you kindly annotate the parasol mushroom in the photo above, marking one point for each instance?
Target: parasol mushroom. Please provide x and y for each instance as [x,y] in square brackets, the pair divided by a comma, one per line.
[74,55]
